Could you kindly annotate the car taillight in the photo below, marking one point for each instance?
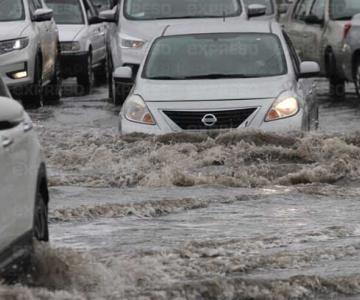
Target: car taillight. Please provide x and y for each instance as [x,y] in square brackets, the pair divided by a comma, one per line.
[347,28]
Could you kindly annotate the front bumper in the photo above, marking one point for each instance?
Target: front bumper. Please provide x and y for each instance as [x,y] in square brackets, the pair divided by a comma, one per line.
[73,63]
[10,63]
[165,125]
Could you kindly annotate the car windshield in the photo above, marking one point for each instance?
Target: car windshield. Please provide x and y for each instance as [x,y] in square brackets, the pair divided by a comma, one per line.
[175,9]
[66,11]
[344,9]
[11,10]
[267,3]
[212,56]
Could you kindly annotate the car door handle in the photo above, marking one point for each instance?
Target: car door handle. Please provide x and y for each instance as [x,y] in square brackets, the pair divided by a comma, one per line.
[6,141]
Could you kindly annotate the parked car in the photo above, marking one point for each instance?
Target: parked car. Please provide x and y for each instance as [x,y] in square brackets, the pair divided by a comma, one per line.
[82,40]
[318,29]
[24,210]
[220,76]
[29,51]
[137,22]
[351,53]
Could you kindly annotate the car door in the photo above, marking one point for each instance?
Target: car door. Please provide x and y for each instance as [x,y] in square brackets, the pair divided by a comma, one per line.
[97,34]
[16,171]
[295,27]
[313,32]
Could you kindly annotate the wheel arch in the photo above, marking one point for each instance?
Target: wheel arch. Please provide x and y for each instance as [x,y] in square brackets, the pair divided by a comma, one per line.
[42,183]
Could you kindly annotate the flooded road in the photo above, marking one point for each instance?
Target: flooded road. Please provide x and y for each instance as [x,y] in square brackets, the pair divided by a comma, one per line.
[239,215]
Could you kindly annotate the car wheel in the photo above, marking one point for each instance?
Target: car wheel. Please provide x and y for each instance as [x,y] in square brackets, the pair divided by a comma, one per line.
[52,92]
[120,90]
[336,84]
[357,76]
[33,94]
[40,225]
[85,79]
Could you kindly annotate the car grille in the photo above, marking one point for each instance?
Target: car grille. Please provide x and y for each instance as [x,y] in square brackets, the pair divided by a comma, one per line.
[226,119]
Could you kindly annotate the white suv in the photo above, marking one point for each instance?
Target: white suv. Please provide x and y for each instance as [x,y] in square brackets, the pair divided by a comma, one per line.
[23,185]
[29,51]
[82,39]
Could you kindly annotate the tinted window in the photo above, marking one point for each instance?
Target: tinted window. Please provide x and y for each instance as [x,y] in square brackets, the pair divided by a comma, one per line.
[67,11]
[11,10]
[344,9]
[267,3]
[303,9]
[216,56]
[170,9]
[102,4]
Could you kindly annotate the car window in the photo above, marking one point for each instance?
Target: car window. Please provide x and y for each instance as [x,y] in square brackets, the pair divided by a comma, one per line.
[220,55]
[318,9]
[11,10]
[173,9]
[67,11]
[303,9]
[293,54]
[268,3]
[344,9]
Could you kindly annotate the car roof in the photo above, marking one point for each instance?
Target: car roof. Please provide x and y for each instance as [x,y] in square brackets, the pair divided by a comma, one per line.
[222,26]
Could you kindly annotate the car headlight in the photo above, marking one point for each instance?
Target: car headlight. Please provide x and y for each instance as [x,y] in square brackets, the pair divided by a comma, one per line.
[129,42]
[70,46]
[135,110]
[12,45]
[283,107]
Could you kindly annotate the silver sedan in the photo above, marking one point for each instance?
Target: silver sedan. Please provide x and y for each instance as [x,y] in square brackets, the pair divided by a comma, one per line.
[224,76]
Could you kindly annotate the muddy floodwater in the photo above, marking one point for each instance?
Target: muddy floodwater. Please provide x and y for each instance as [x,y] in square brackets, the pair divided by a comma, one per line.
[236,215]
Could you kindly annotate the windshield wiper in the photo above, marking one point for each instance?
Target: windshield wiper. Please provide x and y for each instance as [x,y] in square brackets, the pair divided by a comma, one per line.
[165,78]
[218,76]
[344,18]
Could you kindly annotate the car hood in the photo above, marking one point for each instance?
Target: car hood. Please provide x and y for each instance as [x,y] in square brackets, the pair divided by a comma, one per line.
[12,30]
[69,33]
[218,89]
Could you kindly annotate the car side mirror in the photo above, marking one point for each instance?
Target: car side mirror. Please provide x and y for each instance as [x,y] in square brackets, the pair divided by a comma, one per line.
[283,9]
[94,20]
[256,10]
[123,73]
[42,15]
[11,113]
[313,20]
[309,69]
[108,16]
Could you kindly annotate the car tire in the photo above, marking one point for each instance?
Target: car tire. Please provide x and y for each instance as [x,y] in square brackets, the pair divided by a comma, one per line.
[33,95]
[101,73]
[85,79]
[110,72]
[357,76]
[120,91]
[52,92]
[40,224]
[336,84]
